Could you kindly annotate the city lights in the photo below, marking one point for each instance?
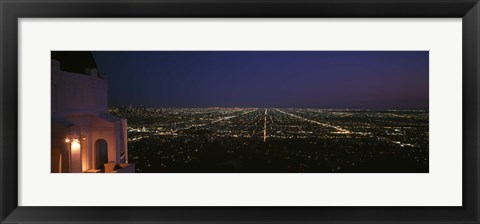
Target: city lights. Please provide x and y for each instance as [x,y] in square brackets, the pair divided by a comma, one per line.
[276,140]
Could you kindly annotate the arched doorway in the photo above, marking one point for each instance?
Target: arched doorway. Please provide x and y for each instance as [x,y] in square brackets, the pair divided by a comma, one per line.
[101,153]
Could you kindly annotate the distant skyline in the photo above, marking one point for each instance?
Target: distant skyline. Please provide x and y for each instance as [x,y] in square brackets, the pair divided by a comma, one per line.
[302,79]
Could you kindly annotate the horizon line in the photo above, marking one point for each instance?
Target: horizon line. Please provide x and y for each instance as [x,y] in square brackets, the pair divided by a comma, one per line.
[231,107]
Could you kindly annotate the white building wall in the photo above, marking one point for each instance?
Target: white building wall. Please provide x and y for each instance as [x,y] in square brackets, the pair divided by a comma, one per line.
[74,93]
[82,100]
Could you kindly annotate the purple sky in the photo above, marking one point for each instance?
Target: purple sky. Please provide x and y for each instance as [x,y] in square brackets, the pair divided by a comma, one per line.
[314,79]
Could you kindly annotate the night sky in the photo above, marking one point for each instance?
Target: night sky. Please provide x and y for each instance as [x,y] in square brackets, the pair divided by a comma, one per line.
[304,79]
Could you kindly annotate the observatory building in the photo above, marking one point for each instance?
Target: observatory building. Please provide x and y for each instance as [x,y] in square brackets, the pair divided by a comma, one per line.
[84,137]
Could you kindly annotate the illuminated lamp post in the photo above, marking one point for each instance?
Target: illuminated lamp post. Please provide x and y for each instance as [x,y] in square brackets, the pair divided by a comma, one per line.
[74,145]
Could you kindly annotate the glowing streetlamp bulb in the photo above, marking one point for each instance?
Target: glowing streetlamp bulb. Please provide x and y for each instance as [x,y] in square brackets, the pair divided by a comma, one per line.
[67,140]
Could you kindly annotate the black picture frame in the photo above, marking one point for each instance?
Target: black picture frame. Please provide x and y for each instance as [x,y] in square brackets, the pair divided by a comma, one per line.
[12,10]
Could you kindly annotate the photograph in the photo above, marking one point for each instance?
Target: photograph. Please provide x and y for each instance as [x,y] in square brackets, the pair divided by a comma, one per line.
[263,112]
[239,112]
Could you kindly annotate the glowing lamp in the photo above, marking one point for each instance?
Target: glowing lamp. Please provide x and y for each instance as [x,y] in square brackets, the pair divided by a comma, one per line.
[75,145]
